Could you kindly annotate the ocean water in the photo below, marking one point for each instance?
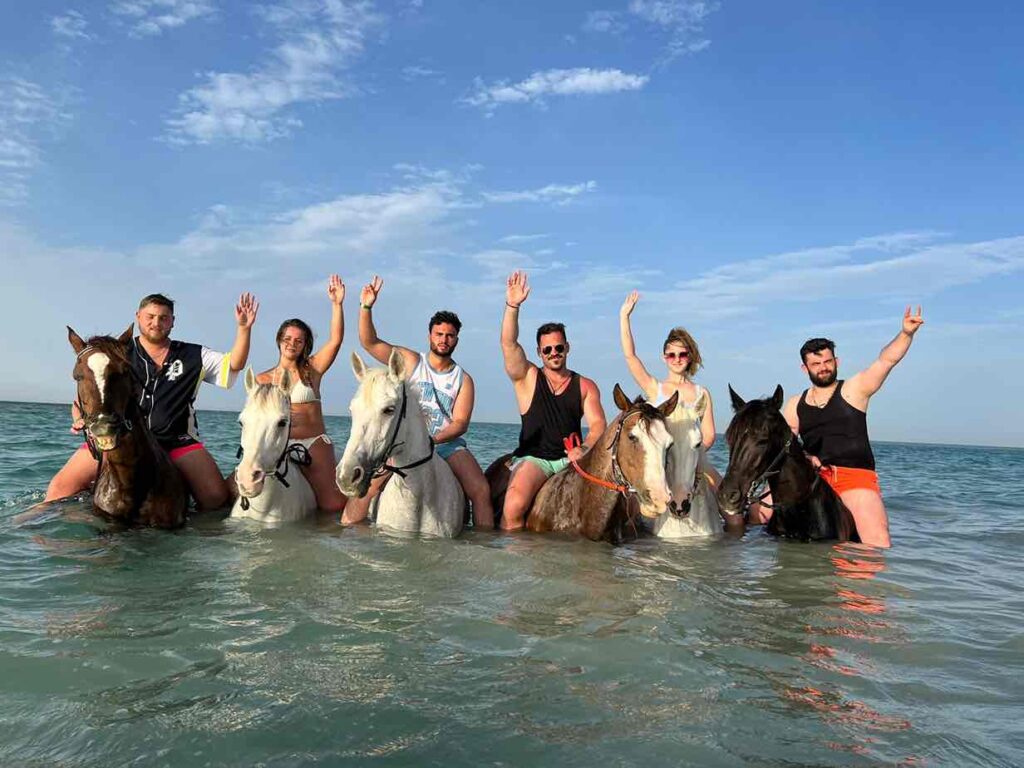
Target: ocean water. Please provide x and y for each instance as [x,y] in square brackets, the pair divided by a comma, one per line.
[225,644]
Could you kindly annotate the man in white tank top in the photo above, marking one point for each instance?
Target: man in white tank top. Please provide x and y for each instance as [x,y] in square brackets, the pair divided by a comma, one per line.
[446,394]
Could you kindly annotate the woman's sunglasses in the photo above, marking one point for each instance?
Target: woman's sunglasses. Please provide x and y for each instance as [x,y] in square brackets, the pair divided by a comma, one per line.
[674,355]
[557,349]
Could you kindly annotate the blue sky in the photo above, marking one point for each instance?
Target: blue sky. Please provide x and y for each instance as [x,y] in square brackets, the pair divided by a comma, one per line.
[762,172]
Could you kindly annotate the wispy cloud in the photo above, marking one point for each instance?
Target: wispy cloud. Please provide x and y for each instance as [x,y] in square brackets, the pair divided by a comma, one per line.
[559,194]
[509,239]
[681,21]
[554,82]
[152,17]
[27,114]
[418,72]
[70,25]
[318,40]
[604,21]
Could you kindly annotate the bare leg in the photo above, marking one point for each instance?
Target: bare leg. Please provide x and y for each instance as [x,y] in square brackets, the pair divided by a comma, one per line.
[869,515]
[321,476]
[527,479]
[471,478]
[203,478]
[74,477]
[357,509]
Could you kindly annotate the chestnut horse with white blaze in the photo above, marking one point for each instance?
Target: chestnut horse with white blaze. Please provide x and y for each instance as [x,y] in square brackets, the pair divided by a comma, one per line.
[136,481]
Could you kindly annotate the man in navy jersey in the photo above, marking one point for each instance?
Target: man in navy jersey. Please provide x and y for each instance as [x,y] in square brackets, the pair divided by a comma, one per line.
[169,373]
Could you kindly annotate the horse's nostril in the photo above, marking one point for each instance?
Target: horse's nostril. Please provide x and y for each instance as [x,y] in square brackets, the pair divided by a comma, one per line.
[257,475]
[357,474]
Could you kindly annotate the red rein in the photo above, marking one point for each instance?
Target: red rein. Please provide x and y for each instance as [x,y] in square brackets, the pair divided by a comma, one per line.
[573,441]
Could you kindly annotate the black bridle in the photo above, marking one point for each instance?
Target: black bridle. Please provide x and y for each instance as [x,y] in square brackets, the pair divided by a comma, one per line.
[758,490]
[381,467]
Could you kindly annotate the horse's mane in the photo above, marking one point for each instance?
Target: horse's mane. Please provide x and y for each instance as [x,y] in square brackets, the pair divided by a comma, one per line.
[648,413]
[108,345]
[752,412]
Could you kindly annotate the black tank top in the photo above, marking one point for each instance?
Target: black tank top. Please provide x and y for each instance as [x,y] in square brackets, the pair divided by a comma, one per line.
[550,419]
[837,434]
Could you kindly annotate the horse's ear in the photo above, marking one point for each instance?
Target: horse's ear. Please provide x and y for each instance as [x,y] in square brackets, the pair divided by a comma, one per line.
[125,337]
[737,401]
[701,406]
[669,405]
[286,382]
[358,367]
[396,363]
[76,341]
[620,398]
[777,397]
[250,381]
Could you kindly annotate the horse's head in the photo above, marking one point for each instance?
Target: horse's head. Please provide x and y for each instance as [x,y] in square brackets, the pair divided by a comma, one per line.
[379,409]
[639,446]
[757,435]
[684,465]
[265,421]
[105,386]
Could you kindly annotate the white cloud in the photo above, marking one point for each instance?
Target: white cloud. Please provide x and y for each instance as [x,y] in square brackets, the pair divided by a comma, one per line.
[554,82]
[417,72]
[682,19]
[604,21]
[318,39]
[71,25]
[559,194]
[523,238]
[153,17]
[27,113]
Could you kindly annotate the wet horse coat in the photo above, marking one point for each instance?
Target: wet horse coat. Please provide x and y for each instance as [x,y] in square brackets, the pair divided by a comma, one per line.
[137,482]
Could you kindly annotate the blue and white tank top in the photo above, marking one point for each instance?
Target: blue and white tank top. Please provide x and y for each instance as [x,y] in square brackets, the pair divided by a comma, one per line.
[438,392]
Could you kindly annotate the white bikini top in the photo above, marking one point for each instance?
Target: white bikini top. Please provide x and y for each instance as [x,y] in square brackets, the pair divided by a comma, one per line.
[681,403]
[302,393]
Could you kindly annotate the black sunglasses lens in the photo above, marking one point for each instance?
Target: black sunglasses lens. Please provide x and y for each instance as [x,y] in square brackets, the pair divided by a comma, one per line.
[559,348]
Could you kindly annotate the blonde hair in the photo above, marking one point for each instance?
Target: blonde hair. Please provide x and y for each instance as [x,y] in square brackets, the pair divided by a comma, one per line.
[682,336]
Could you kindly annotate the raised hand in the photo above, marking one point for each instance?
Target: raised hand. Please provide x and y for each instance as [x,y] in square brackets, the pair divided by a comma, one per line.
[368,295]
[335,289]
[516,289]
[912,322]
[245,310]
[630,303]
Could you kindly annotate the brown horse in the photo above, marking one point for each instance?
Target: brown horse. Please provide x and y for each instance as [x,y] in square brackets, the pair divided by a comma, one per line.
[136,483]
[623,473]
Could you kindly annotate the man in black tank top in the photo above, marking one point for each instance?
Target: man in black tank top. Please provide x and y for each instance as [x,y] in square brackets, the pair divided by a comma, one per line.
[831,419]
[552,402]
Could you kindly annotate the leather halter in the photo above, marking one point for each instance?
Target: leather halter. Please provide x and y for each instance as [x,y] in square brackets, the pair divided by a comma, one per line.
[621,484]
[121,424]
[762,480]
[381,467]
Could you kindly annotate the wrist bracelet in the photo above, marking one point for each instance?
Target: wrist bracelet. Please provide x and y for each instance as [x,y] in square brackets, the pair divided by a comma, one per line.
[365,306]
[513,306]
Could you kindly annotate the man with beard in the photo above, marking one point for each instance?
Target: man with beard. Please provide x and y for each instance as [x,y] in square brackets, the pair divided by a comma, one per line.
[831,419]
[552,402]
[446,395]
[169,373]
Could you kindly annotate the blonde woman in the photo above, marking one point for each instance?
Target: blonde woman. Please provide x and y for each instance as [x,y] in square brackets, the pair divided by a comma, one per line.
[682,359]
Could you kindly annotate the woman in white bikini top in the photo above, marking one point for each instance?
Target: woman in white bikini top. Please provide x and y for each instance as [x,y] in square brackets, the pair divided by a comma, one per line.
[682,358]
[306,369]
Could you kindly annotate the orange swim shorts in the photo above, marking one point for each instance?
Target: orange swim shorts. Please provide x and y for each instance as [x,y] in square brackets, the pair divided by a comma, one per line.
[844,479]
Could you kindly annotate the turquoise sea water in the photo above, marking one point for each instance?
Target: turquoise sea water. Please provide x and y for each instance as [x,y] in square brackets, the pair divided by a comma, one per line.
[227,644]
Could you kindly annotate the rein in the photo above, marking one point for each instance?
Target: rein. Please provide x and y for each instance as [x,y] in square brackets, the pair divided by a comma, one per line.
[621,485]
[382,468]
[762,480]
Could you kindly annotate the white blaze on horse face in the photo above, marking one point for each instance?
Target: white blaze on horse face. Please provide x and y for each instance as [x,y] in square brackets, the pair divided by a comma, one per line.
[684,456]
[656,441]
[98,363]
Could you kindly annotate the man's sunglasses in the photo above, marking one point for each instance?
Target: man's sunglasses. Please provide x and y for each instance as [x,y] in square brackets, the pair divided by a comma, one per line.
[674,355]
[557,349]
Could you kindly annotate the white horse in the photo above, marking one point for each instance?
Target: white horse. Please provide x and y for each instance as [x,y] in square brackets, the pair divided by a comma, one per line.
[389,434]
[271,488]
[695,505]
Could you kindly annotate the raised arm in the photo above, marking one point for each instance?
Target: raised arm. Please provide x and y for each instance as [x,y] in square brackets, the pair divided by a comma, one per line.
[640,374]
[462,412]
[379,349]
[245,316]
[870,380]
[593,412]
[516,291]
[325,356]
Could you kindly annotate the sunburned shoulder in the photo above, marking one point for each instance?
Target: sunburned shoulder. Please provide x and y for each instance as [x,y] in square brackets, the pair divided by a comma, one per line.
[588,385]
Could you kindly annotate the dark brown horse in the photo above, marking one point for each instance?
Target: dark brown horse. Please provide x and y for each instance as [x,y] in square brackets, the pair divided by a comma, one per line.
[137,483]
[625,474]
[763,451]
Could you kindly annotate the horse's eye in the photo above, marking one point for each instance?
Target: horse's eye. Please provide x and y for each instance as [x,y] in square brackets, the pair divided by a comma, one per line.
[634,439]
[77,376]
[282,423]
[389,410]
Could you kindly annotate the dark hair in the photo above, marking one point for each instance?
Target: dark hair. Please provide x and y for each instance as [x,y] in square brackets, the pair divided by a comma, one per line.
[159,299]
[444,316]
[682,336]
[816,345]
[307,348]
[551,328]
